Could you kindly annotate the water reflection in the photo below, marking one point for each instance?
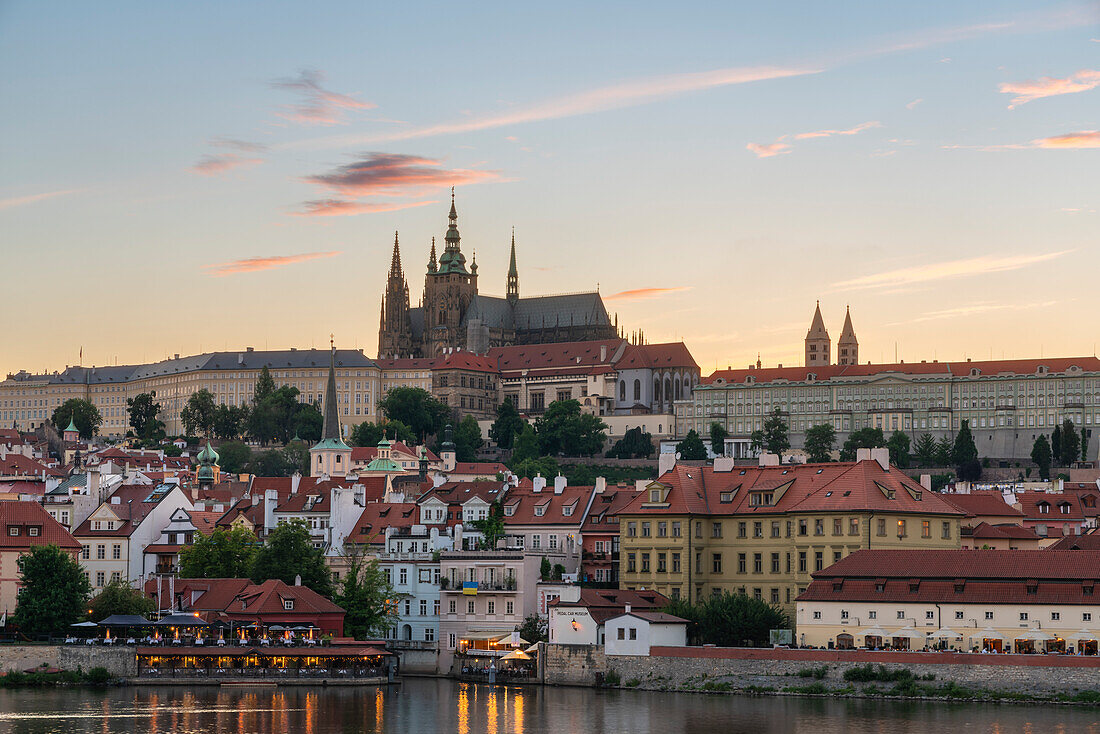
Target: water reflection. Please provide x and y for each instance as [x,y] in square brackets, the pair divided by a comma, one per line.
[428,705]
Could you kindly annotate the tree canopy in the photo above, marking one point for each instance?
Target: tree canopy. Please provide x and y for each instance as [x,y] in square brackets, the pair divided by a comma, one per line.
[565,429]
[491,527]
[368,600]
[370,434]
[288,552]
[718,436]
[233,456]
[635,444]
[773,436]
[692,448]
[118,597]
[53,593]
[143,410]
[729,620]
[230,421]
[964,454]
[467,439]
[924,450]
[199,413]
[820,440]
[1040,454]
[507,426]
[864,438]
[417,409]
[898,443]
[1070,443]
[224,554]
[279,415]
[84,415]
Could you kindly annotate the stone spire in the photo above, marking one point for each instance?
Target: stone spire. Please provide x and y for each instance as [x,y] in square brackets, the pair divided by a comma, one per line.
[432,267]
[330,456]
[847,347]
[817,341]
[331,427]
[452,260]
[513,272]
[395,262]
[395,323]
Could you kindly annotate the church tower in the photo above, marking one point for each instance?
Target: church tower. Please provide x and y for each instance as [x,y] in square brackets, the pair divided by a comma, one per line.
[513,274]
[847,348]
[330,456]
[395,325]
[817,341]
[448,289]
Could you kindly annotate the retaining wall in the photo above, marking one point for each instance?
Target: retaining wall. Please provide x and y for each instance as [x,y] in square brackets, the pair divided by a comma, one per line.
[119,661]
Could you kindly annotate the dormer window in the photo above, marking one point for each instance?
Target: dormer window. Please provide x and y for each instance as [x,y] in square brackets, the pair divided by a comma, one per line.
[509,510]
[1044,508]
[654,495]
[13,530]
[540,510]
[1064,508]
[761,499]
[567,511]
[32,531]
[726,497]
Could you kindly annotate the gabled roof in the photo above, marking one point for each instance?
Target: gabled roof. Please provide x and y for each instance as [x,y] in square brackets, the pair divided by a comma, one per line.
[656,356]
[1031,505]
[30,514]
[1089,541]
[462,492]
[17,465]
[377,516]
[985,531]
[478,468]
[525,504]
[979,504]
[468,361]
[606,505]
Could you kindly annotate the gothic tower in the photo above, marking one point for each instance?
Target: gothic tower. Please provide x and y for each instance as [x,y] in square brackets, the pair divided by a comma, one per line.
[513,274]
[817,341]
[448,289]
[847,348]
[330,456]
[395,326]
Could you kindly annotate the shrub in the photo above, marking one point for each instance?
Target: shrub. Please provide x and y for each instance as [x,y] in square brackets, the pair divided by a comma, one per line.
[816,688]
[818,673]
[612,679]
[98,676]
[632,683]
[716,686]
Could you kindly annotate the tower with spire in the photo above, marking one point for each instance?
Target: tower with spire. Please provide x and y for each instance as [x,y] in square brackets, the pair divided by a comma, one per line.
[330,456]
[395,338]
[448,289]
[513,273]
[847,347]
[817,341]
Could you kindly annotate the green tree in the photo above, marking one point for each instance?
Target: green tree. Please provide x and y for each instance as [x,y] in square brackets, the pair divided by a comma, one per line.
[1070,443]
[729,620]
[943,451]
[924,450]
[898,444]
[1056,444]
[964,455]
[819,443]
[53,592]
[368,600]
[864,438]
[1040,454]
[1084,445]
[224,554]
[371,434]
[526,445]
[534,629]
[271,463]
[199,413]
[491,527]
[308,423]
[297,456]
[143,411]
[288,552]
[633,445]
[565,429]
[692,447]
[718,436]
[265,387]
[233,457]
[230,421]
[118,597]
[545,569]
[467,439]
[507,426]
[84,415]
[417,409]
[545,466]
[773,436]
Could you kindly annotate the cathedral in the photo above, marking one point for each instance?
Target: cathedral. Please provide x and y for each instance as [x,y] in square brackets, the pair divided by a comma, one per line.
[452,314]
[818,343]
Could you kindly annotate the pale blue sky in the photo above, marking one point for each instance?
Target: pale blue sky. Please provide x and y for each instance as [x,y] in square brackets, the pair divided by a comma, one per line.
[609,136]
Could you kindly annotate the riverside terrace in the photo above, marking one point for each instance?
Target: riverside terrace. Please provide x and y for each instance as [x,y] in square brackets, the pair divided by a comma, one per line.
[358,662]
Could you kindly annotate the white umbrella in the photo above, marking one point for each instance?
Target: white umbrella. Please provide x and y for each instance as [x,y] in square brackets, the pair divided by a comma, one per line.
[533,648]
[516,655]
[1084,636]
[1036,635]
[874,632]
[989,634]
[909,632]
[944,633]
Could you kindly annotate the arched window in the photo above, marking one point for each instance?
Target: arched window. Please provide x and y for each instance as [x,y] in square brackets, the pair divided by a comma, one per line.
[622,390]
[656,389]
[637,390]
[676,385]
[668,389]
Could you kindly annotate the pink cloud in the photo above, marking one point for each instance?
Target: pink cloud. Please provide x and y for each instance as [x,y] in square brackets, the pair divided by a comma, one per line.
[212,165]
[1082,139]
[829,133]
[253,264]
[913,104]
[395,174]
[1046,86]
[317,105]
[343,208]
[639,294]
[34,198]
[767,150]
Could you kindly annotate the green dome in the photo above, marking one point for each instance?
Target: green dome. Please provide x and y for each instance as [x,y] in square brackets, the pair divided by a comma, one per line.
[72,426]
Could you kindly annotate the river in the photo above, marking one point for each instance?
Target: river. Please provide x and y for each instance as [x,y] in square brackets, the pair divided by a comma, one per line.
[425,706]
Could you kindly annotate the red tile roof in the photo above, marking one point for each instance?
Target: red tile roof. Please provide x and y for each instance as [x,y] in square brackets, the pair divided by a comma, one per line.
[1060,506]
[524,505]
[17,465]
[559,358]
[983,504]
[377,516]
[655,356]
[479,468]
[25,515]
[461,492]
[467,361]
[1087,542]
[604,604]
[606,505]
[945,369]
[984,530]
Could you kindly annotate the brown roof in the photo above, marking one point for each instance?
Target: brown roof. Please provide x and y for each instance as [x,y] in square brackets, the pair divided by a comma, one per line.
[467,361]
[985,530]
[525,504]
[1060,506]
[479,468]
[976,504]
[1087,542]
[603,604]
[462,492]
[17,465]
[606,505]
[26,515]
[377,516]
[652,356]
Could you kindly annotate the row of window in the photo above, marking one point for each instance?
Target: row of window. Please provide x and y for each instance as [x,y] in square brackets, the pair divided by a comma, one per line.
[930,614]
[839,525]
[471,607]
[101,552]
[775,565]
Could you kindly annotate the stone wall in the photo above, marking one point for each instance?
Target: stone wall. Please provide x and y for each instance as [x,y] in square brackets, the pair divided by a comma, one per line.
[571,665]
[120,662]
[21,657]
[680,668]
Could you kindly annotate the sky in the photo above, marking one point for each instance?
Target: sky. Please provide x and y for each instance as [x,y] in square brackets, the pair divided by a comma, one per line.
[187,177]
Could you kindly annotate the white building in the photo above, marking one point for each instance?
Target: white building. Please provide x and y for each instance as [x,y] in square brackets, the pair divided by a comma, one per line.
[634,633]
[410,563]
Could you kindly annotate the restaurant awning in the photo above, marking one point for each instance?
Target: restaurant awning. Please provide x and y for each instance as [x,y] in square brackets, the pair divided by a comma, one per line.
[944,633]
[1036,635]
[507,639]
[181,620]
[517,655]
[125,620]
[874,632]
[1084,636]
[488,636]
[988,634]
[910,633]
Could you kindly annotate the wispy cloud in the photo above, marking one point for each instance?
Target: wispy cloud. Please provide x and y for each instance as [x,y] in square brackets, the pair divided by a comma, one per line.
[253,264]
[317,105]
[394,174]
[237,144]
[640,294]
[973,309]
[983,265]
[1032,89]
[766,150]
[1068,141]
[212,165]
[913,104]
[34,198]
[344,208]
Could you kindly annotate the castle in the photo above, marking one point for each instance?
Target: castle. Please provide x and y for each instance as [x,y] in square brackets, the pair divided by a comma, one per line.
[452,314]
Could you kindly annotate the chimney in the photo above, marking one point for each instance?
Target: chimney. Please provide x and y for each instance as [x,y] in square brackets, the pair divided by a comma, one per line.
[603,352]
[626,609]
[882,456]
[559,484]
[863,455]
[666,462]
[926,481]
[93,483]
[601,485]
[271,500]
[767,459]
[538,482]
[298,580]
[458,537]
[295,480]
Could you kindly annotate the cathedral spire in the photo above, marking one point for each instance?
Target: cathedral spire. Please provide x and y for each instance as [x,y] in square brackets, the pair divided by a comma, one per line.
[432,267]
[847,345]
[513,272]
[395,263]
[330,428]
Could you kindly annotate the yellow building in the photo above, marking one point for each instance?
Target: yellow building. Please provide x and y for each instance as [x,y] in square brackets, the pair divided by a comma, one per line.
[764,530]
[27,401]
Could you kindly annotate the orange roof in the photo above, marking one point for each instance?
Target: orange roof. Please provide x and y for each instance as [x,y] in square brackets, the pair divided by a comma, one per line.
[467,361]
[975,504]
[672,354]
[24,515]
[378,516]
[525,505]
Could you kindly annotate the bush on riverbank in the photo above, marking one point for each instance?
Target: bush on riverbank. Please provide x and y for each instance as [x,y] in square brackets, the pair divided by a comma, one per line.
[868,673]
[98,676]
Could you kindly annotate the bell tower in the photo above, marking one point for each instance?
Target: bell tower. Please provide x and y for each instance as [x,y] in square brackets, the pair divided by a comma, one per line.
[817,341]
[847,347]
